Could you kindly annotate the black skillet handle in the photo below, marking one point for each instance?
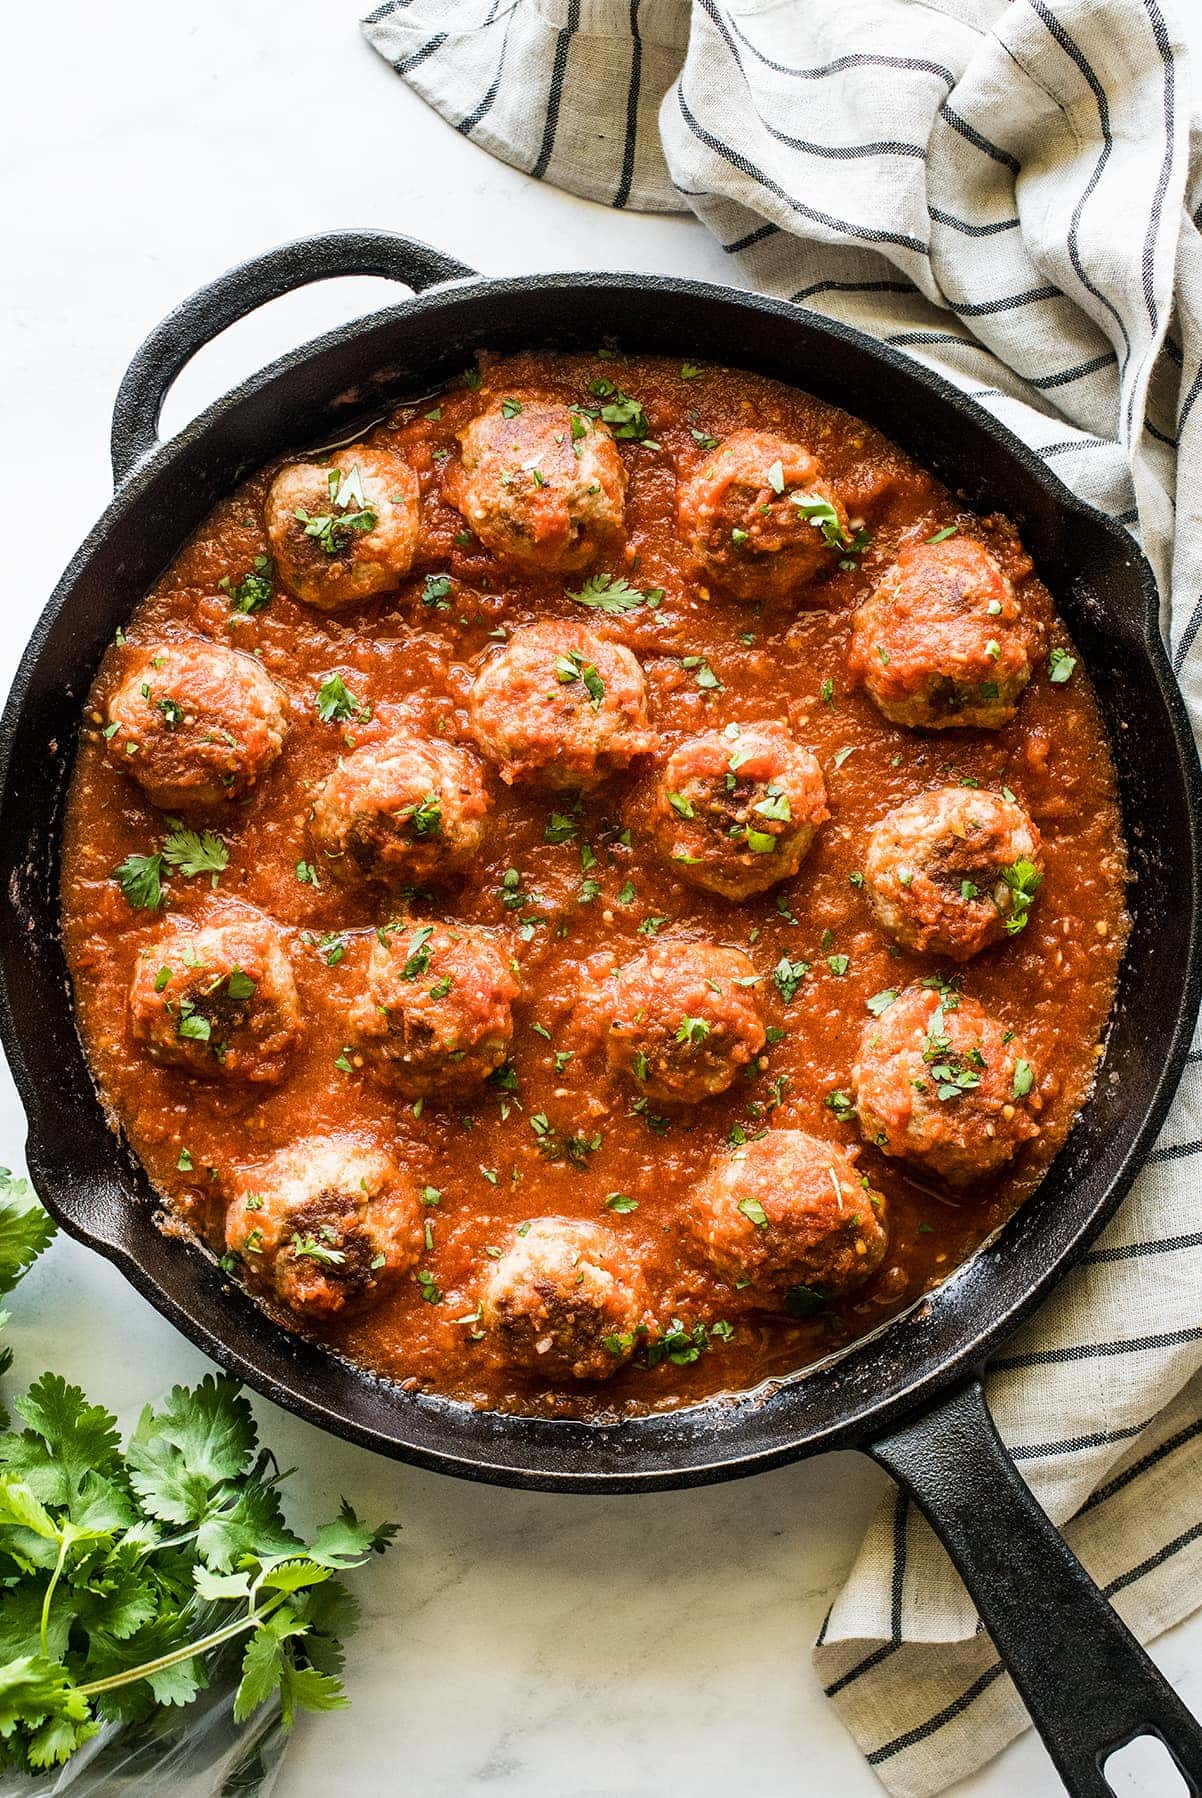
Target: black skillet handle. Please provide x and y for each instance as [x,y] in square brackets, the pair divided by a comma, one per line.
[207,312]
[1084,1678]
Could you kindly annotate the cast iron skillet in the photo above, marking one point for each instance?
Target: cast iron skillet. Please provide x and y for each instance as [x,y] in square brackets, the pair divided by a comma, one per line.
[910,1396]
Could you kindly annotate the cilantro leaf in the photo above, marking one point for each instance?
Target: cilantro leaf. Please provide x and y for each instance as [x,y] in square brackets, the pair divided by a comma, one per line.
[194,852]
[25,1229]
[335,701]
[140,879]
[36,1692]
[181,1457]
[611,593]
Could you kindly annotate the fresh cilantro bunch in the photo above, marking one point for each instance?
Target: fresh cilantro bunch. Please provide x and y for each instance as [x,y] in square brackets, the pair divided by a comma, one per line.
[126,1573]
[133,1580]
[25,1230]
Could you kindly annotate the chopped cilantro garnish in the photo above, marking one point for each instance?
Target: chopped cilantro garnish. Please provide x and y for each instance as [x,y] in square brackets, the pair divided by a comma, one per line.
[335,701]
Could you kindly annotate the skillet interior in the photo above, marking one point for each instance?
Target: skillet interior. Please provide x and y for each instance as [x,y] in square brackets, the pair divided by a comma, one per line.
[1104,590]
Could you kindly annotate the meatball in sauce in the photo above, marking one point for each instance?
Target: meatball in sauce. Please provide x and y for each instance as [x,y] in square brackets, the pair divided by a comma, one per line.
[790,1211]
[408,812]
[944,1086]
[736,814]
[760,518]
[565,1301]
[324,1227]
[435,1014]
[543,486]
[681,1021]
[941,642]
[343,531]
[953,871]
[219,1002]
[561,707]
[195,724]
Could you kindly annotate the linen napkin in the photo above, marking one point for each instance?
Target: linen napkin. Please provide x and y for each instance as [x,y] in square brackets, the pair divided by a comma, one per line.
[1011,193]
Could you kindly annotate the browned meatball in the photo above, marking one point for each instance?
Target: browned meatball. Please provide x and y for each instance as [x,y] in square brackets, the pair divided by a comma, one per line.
[325,1226]
[681,1020]
[940,642]
[218,1001]
[434,1015]
[541,485]
[195,724]
[941,1084]
[736,814]
[409,811]
[790,1211]
[344,530]
[561,706]
[760,518]
[565,1301]
[953,871]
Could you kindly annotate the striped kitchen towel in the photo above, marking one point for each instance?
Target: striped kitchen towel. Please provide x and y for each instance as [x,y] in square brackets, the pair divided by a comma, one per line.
[1011,193]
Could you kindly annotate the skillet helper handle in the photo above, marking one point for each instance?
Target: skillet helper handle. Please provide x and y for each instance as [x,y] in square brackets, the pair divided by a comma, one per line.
[211,309]
[1088,1685]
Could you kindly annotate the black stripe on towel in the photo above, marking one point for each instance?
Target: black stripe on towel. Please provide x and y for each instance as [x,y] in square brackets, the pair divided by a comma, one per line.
[484,107]
[839,152]
[559,68]
[855,287]
[1153,1458]
[1072,50]
[1136,1251]
[419,55]
[1068,375]
[962,225]
[901,1514]
[863,59]
[632,108]
[1010,303]
[974,137]
[1091,1351]
[752,237]
[947,1715]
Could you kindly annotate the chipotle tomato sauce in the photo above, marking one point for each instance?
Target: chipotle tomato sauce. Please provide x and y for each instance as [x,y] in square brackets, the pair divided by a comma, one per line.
[566,908]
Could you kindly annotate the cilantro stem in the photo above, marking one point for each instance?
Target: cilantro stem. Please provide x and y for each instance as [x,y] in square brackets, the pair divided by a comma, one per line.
[214,1640]
[65,1542]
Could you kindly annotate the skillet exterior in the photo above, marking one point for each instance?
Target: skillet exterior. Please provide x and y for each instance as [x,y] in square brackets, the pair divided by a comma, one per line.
[92,1184]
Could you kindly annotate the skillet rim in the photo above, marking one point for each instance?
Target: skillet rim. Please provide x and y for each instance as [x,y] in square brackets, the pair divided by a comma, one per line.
[577,1439]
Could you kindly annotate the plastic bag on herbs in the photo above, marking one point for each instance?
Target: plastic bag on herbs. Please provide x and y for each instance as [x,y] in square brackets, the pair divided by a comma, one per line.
[179,1751]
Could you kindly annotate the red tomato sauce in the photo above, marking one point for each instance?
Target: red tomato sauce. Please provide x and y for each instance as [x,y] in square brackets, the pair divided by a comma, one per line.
[595,896]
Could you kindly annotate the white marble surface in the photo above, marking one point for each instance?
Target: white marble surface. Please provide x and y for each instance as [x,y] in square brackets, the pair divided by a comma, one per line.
[513,1645]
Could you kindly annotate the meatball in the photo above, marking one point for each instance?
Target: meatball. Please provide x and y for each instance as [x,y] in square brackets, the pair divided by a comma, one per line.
[941,1084]
[940,642]
[560,706]
[760,518]
[196,724]
[540,485]
[343,531]
[953,871]
[737,814]
[434,1015]
[789,1210]
[566,1301]
[325,1226]
[218,1001]
[682,1020]
[409,812]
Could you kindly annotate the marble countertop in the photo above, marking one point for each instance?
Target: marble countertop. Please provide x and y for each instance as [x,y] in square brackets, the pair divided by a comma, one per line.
[513,1645]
